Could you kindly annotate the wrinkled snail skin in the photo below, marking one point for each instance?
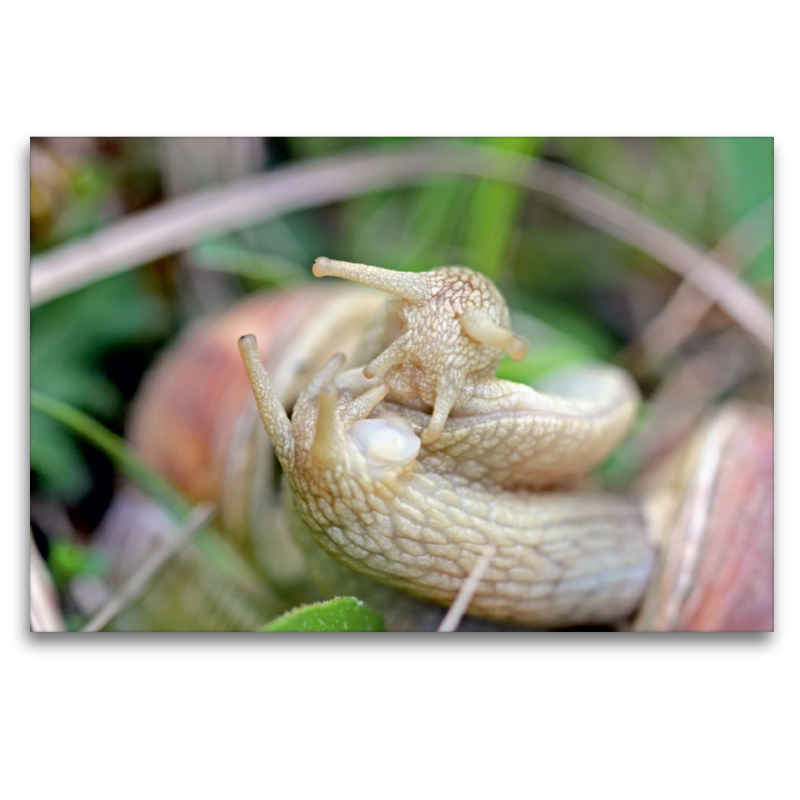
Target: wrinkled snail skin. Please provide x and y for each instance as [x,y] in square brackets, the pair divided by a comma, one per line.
[526,439]
[406,470]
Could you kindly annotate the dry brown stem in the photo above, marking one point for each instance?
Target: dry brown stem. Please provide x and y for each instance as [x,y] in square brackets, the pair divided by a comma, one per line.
[687,392]
[45,612]
[684,311]
[180,223]
[133,588]
[452,618]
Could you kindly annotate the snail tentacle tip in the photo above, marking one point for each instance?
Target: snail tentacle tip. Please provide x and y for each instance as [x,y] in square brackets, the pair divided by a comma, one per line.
[393,355]
[436,425]
[432,434]
[332,368]
[361,407]
[479,326]
[518,348]
[325,443]
[272,413]
[410,286]
[320,268]
[448,390]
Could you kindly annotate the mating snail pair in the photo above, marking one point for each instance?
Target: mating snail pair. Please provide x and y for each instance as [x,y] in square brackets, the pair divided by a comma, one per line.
[406,466]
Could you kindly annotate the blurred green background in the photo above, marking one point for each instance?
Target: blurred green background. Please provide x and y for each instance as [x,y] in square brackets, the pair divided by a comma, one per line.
[594,295]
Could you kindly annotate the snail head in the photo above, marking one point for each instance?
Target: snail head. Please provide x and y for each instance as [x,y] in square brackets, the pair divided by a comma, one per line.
[451,327]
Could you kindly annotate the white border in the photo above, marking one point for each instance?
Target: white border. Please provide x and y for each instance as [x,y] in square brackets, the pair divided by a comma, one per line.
[551,715]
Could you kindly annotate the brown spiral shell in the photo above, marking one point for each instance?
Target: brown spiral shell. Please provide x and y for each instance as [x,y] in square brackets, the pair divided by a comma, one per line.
[195,420]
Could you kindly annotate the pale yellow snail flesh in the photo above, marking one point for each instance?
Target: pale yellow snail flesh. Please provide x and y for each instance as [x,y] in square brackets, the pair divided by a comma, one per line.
[404,471]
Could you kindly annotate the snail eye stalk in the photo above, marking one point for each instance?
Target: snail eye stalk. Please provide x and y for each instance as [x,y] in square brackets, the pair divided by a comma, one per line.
[273,415]
[410,286]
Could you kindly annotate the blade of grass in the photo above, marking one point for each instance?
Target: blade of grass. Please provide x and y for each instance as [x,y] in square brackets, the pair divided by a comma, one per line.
[684,311]
[432,224]
[494,212]
[115,448]
[467,591]
[209,542]
[267,269]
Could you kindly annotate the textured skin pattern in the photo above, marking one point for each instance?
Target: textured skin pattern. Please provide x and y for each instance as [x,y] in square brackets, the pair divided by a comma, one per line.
[433,354]
[430,356]
[562,558]
[525,439]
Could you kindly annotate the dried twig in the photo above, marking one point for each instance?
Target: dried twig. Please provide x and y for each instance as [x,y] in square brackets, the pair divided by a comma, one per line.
[684,311]
[180,223]
[45,613]
[467,591]
[199,516]
[686,393]
[177,224]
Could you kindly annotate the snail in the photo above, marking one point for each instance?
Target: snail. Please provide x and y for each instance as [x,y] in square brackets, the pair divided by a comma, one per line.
[403,469]
[382,488]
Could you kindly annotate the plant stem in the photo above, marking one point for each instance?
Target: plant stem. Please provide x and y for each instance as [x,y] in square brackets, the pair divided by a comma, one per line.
[115,448]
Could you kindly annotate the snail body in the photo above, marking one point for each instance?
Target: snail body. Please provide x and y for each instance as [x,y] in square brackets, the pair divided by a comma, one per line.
[410,497]
[380,502]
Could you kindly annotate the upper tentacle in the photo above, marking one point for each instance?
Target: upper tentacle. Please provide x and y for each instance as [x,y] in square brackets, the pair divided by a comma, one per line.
[445,337]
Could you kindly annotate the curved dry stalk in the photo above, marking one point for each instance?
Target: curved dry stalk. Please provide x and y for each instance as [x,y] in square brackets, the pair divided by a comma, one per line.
[177,224]
[603,208]
[686,393]
[133,588]
[683,312]
[467,591]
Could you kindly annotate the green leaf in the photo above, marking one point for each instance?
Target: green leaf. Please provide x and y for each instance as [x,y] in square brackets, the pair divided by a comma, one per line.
[57,459]
[433,224]
[539,363]
[342,614]
[70,559]
[571,340]
[70,338]
[747,180]
[217,553]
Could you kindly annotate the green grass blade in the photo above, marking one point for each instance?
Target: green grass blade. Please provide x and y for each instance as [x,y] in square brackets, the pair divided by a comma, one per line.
[115,448]
[494,212]
[234,577]
[266,269]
